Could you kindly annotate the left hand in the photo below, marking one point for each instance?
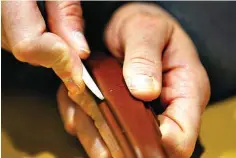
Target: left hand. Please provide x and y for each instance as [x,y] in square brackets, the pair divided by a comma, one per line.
[159,60]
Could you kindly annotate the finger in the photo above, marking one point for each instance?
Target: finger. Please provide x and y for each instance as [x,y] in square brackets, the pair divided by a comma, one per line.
[143,46]
[186,92]
[66,20]
[89,136]
[67,109]
[76,122]
[25,32]
[90,107]
[142,38]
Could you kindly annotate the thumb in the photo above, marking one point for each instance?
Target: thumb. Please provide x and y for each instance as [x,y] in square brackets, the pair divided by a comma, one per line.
[65,19]
[142,38]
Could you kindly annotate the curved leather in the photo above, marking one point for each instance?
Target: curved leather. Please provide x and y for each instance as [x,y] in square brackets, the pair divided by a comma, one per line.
[123,112]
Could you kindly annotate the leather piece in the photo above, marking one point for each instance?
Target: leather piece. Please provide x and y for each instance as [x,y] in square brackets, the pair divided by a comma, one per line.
[118,132]
[130,113]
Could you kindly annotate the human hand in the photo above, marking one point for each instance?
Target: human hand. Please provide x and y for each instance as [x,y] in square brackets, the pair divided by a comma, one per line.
[161,60]
[153,44]
[24,34]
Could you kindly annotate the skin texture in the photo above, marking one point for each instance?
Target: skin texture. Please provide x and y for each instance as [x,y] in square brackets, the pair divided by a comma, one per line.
[160,60]
[24,34]
[153,44]
[84,128]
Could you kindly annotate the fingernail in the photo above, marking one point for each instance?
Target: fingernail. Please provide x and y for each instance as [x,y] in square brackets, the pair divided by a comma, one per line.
[75,83]
[142,82]
[71,86]
[77,78]
[79,83]
[80,42]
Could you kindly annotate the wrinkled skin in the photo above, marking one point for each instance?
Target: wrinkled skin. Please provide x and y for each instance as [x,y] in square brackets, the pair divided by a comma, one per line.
[159,60]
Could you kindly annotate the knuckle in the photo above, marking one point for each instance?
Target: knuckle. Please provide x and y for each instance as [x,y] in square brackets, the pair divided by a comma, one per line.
[183,150]
[148,20]
[144,60]
[178,149]
[71,14]
[60,57]
[70,8]
[23,50]
[145,64]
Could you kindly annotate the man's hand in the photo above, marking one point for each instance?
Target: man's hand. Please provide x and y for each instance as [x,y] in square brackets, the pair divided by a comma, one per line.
[161,60]
[24,34]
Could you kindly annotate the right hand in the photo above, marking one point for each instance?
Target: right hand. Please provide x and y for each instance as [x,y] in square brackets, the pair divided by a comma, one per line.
[24,34]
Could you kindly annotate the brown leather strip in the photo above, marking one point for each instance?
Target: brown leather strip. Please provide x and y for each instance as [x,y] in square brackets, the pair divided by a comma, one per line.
[127,149]
[130,113]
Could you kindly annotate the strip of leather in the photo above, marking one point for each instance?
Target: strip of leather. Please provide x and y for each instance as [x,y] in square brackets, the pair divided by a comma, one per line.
[95,117]
[130,116]
[117,131]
